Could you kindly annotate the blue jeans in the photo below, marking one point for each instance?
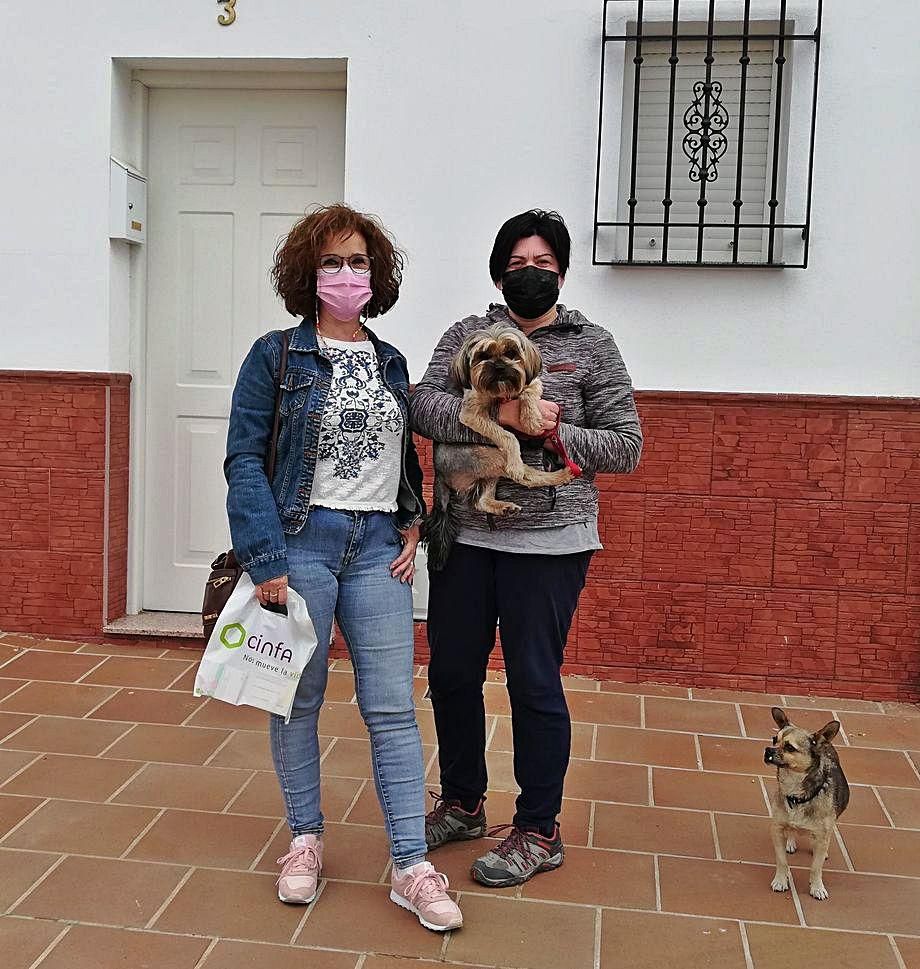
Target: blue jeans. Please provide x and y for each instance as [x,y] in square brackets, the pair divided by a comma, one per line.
[340,563]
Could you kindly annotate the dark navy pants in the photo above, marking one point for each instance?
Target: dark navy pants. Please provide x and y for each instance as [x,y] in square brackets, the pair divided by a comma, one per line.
[533,599]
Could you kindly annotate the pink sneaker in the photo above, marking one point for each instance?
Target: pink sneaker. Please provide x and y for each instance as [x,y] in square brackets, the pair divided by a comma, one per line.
[300,870]
[423,891]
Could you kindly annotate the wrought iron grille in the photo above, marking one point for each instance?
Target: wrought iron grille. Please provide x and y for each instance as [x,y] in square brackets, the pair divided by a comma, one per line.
[706,133]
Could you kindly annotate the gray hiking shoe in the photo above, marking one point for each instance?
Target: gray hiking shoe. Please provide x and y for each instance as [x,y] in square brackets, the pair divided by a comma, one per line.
[518,858]
[449,822]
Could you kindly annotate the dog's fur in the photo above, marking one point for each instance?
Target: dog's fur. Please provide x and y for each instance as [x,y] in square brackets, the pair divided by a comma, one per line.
[811,793]
[493,365]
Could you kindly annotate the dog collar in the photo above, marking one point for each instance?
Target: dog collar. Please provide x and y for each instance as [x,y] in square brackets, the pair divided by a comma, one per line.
[795,801]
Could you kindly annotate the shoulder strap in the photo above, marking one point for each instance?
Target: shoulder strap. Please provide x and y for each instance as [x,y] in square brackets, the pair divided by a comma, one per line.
[282,369]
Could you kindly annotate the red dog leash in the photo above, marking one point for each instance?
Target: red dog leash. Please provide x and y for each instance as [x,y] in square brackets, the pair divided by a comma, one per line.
[558,447]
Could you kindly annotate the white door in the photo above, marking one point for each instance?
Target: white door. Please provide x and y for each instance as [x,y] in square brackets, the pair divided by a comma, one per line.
[229,173]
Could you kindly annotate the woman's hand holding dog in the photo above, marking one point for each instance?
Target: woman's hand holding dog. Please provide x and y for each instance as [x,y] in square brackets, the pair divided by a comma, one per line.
[509,415]
[403,567]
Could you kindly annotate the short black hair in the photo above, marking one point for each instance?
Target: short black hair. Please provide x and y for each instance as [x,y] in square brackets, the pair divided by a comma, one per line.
[534,222]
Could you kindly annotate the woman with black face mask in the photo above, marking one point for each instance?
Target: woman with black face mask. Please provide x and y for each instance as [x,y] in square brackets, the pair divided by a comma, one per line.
[524,571]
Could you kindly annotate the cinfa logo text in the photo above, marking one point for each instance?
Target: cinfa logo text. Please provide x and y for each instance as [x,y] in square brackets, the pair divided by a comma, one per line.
[234,635]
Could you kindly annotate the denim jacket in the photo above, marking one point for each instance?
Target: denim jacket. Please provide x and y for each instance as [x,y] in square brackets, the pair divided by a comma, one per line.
[261,513]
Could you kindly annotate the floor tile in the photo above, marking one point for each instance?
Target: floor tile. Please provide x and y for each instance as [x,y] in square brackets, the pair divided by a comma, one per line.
[613,708]
[8,653]
[889,768]
[120,649]
[351,852]
[14,809]
[693,716]
[58,645]
[707,791]
[58,667]
[580,684]
[872,903]
[79,828]
[759,724]
[544,936]
[14,760]
[734,756]
[876,730]
[147,706]
[646,689]
[582,738]
[395,962]
[186,682]
[204,839]
[6,688]
[887,851]
[903,805]
[738,696]
[81,947]
[102,890]
[58,699]
[642,746]
[910,952]
[19,640]
[500,807]
[840,704]
[244,955]
[61,735]
[233,905]
[215,713]
[11,722]
[22,941]
[496,698]
[375,924]
[342,720]
[170,745]
[247,749]
[340,687]
[653,829]
[348,758]
[722,889]
[864,807]
[600,781]
[154,674]
[748,839]
[19,870]
[647,940]
[73,778]
[179,786]
[771,945]
[592,877]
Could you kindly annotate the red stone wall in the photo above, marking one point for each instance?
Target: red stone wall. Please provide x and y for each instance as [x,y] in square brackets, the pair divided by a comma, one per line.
[765,543]
[63,474]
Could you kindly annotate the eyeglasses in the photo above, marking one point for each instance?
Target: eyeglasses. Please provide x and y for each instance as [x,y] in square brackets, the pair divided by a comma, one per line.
[358,263]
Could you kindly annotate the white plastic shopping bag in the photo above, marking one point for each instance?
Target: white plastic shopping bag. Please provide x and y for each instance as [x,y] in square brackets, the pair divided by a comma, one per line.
[254,656]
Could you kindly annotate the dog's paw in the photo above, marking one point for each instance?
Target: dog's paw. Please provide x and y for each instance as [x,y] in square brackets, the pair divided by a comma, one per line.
[780,882]
[511,508]
[819,892]
[791,846]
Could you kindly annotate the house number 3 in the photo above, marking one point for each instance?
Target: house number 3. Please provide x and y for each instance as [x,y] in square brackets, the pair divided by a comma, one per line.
[229,14]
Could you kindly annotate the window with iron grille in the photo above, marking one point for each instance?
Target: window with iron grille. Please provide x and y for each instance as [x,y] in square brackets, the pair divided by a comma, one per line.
[706,132]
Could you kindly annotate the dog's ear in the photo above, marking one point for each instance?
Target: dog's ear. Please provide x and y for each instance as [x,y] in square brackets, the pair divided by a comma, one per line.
[460,368]
[532,360]
[779,718]
[827,733]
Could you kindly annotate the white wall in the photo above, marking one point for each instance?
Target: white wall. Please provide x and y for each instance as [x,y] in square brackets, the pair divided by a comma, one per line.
[459,115]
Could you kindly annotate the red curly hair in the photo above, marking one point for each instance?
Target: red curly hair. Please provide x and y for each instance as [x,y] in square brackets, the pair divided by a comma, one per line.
[297,259]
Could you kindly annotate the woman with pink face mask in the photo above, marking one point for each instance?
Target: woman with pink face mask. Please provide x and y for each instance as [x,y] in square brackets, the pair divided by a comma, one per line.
[338,522]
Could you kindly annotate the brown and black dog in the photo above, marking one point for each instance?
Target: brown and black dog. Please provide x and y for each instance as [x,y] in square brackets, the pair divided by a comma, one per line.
[811,793]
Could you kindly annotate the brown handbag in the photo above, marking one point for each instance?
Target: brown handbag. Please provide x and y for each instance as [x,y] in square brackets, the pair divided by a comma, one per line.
[225,570]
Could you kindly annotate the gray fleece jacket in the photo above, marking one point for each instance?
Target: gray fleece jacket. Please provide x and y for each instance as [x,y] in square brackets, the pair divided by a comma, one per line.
[584,373]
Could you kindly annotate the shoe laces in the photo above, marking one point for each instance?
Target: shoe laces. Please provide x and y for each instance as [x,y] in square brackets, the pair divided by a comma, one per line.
[441,807]
[517,840]
[427,886]
[300,860]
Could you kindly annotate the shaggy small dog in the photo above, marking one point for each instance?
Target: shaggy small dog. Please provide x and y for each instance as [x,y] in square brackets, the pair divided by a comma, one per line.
[493,365]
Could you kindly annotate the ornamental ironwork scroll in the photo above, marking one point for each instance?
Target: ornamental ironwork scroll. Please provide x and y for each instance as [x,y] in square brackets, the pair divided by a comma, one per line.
[229,14]
[705,142]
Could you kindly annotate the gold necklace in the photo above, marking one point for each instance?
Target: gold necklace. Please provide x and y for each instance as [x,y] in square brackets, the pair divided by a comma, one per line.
[350,339]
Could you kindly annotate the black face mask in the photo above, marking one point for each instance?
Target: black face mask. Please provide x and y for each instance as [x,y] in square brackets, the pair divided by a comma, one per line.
[530,292]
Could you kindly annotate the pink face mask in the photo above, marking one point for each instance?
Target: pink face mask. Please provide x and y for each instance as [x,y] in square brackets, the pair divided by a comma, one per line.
[344,293]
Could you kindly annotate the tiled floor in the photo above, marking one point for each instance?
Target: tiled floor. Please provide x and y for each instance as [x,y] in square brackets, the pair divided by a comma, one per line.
[140,827]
